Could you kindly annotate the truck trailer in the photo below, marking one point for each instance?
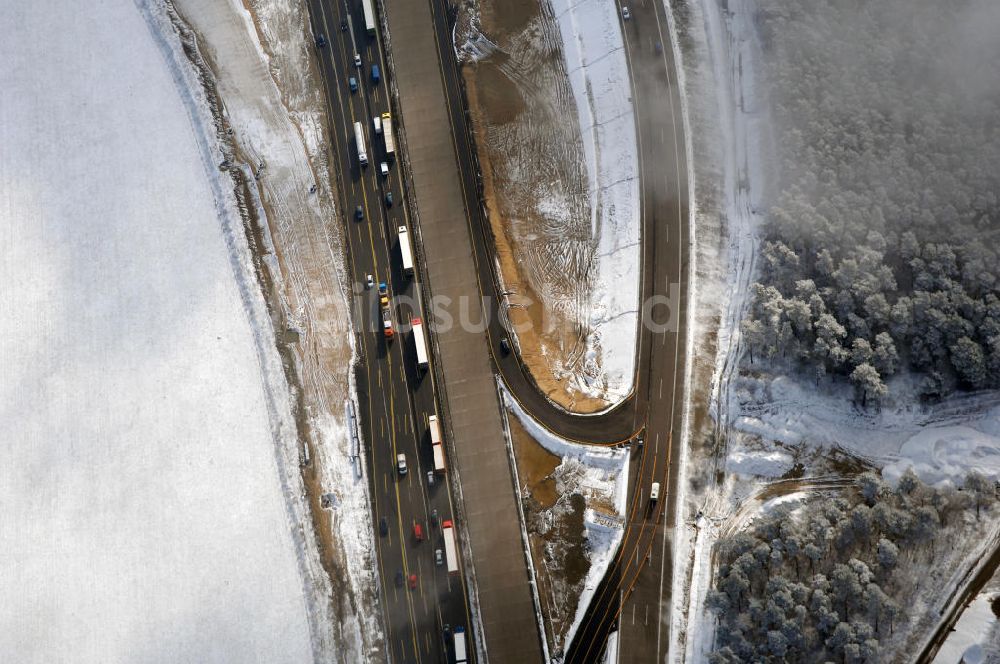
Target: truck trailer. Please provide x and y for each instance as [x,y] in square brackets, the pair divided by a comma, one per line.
[369,11]
[439,464]
[450,551]
[434,427]
[461,656]
[405,252]
[387,135]
[419,342]
[359,138]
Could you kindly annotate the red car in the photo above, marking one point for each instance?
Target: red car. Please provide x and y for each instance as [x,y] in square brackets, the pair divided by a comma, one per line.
[418,532]
[413,582]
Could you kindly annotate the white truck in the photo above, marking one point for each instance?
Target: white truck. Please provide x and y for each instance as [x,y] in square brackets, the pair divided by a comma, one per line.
[359,138]
[419,342]
[439,464]
[434,427]
[369,11]
[461,657]
[390,145]
[450,552]
[405,252]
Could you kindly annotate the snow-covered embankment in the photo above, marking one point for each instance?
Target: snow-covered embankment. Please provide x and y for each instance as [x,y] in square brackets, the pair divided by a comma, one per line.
[593,47]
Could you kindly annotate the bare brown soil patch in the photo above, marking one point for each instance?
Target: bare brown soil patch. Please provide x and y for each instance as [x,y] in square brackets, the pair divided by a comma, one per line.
[508,17]
[556,540]
[523,136]
[534,465]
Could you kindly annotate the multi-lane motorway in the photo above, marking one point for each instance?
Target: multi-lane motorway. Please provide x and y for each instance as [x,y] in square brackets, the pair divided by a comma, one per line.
[396,397]
[634,594]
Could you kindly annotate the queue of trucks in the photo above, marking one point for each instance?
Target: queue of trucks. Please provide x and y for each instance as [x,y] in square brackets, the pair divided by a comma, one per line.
[382,125]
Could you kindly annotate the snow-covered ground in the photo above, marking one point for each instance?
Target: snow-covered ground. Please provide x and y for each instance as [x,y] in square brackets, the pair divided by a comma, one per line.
[974,632]
[262,64]
[728,131]
[941,443]
[762,422]
[593,48]
[149,483]
[600,475]
[550,96]
[607,467]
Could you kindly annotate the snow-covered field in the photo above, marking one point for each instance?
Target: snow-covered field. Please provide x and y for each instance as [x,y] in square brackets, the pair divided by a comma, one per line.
[151,500]
[593,48]
[607,468]
[264,69]
[941,443]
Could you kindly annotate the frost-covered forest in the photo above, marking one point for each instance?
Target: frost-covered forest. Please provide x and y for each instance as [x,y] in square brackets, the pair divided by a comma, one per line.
[833,579]
[881,245]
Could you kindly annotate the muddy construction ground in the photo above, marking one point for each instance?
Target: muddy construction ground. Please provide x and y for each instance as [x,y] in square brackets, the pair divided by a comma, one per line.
[554,522]
[535,187]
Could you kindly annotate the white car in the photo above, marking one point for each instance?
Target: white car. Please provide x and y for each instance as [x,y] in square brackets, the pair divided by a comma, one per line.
[438,557]
[357,60]
[430,477]
[384,168]
[369,281]
[626,14]
[377,122]
[654,492]
[401,463]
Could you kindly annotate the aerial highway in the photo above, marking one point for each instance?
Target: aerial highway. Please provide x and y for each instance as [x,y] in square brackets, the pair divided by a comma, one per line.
[397,397]
[419,597]
[633,595]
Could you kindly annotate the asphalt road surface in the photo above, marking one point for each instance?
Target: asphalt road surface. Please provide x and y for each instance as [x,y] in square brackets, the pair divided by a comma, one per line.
[634,594]
[395,396]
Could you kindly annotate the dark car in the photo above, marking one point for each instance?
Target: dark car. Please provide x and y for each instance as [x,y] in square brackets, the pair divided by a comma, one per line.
[434,518]
[343,25]
[399,577]
[375,74]
[505,346]
[352,83]
[383,527]
[388,199]
[320,40]
[359,213]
